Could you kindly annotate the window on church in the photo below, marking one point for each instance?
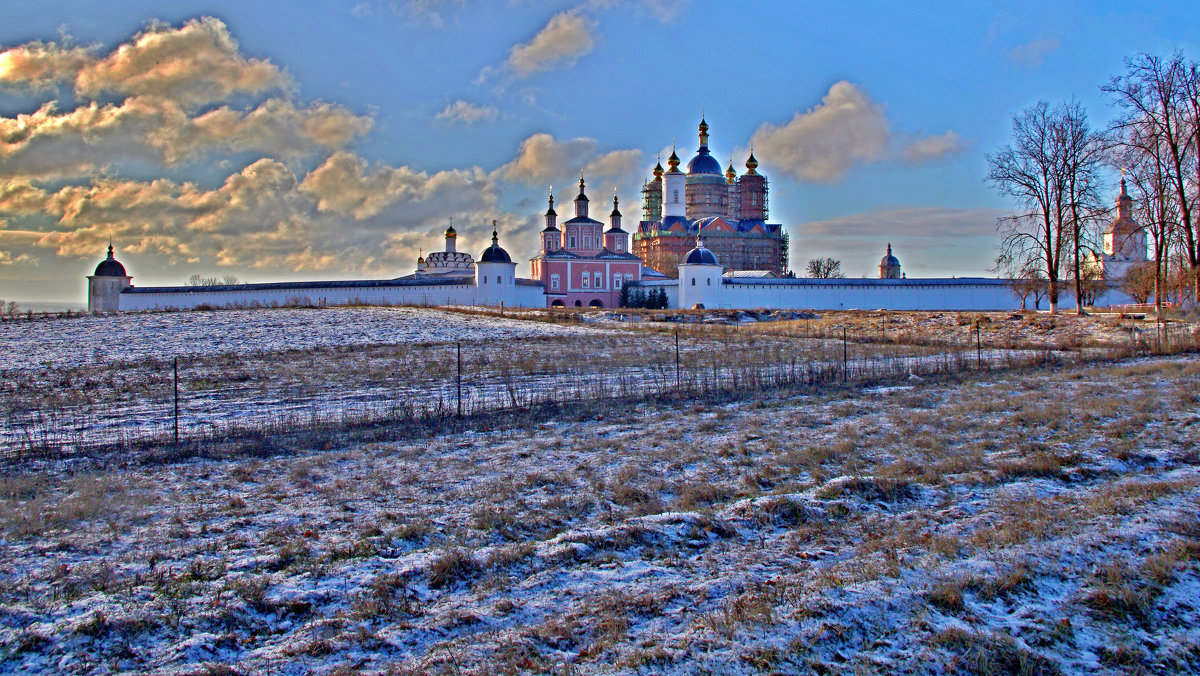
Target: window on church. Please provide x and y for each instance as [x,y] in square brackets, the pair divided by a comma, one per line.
[676,195]
[572,244]
[587,241]
[693,281]
[599,280]
[499,279]
[554,282]
[485,279]
[586,281]
[617,281]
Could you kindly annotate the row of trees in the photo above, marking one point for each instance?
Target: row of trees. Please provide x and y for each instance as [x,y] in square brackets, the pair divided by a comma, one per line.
[651,299]
[1054,169]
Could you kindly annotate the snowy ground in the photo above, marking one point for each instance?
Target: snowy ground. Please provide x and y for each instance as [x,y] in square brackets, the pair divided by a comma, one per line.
[1022,522]
[76,383]
[89,339]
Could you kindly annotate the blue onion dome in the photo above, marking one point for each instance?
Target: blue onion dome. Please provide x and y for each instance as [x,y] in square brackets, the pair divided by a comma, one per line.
[494,254]
[700,255]
[109,267]
[704,163]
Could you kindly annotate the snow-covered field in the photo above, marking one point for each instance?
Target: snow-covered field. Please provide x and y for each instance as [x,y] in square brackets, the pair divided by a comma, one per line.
[1014,523]
[90,339]
[69,385]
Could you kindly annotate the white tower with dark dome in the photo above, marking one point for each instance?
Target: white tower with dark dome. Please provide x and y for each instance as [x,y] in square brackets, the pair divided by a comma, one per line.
[106,284]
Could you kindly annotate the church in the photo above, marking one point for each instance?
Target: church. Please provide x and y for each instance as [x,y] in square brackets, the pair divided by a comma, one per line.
[706,231]
[728,210]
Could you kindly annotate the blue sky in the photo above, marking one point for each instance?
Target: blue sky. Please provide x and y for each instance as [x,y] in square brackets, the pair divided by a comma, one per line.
[273,140]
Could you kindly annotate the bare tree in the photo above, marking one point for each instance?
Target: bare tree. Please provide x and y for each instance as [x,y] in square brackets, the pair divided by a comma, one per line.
[824,268]
[1159,118]
[1083,157]
[1032,169]
[1141,281]
[201,280]
[1154,205]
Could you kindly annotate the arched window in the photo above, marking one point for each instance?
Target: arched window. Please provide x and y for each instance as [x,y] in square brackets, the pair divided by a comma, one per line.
[676,195]
[499,279]
[709,282]
[693,281]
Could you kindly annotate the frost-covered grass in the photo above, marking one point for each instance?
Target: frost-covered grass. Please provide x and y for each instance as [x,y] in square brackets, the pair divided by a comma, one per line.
[72,385]
[1028,522]
[135,337]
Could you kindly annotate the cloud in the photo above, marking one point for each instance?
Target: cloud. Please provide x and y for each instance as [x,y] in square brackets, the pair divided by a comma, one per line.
[46,144]
[1032,53]
[822,143]
[427,11]
[163,74]
[561,42]
[662,10]
[542,159]
[929,241]
[194,64]
[466,112]
[846,129]
[922,149]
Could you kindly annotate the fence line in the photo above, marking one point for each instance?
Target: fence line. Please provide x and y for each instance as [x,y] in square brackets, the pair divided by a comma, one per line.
[488,379]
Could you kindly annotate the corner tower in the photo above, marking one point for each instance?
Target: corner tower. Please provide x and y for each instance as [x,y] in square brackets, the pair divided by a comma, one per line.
[106,284]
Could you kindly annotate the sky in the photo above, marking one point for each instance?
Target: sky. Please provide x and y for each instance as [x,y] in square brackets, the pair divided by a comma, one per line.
[277,141]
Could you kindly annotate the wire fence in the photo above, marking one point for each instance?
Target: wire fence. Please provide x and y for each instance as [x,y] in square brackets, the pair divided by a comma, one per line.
[72,411]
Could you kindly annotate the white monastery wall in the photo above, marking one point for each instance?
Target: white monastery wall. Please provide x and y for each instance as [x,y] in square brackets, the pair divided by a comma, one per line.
[704,285]
[253,295]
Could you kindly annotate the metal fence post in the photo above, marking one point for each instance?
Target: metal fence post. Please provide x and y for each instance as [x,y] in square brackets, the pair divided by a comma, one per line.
[677,359]
[845,358]
[175,369]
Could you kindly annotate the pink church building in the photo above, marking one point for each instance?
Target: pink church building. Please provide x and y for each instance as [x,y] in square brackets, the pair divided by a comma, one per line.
[581,264]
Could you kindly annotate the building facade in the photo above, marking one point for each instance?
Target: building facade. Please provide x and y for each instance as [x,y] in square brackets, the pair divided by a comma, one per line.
[581,264]
[728,210]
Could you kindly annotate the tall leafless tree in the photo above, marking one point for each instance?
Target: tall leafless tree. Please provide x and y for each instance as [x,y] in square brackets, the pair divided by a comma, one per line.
[1036,169]
[1160,119]
[1083,158]
[1154,206]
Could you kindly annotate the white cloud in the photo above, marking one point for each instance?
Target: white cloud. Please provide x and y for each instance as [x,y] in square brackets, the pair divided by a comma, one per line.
[561,42]
[1032,53]
[822,143]
[194,64]
[922,149]
[466,112]
[929,241]
[542,159]
[846,129]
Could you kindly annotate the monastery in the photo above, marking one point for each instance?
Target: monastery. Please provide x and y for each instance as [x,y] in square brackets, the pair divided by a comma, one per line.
[708,228]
